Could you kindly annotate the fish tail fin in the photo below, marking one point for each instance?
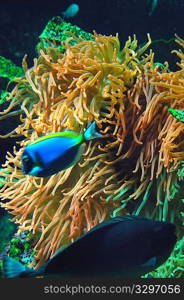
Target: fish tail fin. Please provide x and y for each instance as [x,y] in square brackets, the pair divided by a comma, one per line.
[13,268]
[91,132]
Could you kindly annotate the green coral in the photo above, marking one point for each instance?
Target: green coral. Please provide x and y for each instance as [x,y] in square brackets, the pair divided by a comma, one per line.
[1,269]
[2,179]
[161,67]
[20,248]
[180,171]
[57,31]
[178,114]
[8,69]
[3,95]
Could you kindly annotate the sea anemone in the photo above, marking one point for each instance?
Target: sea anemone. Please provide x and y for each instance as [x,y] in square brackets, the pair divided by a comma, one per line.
[128,96]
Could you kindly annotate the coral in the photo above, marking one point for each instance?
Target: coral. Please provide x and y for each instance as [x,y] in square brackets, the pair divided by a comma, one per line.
[180,171]
[3,178]
[132,169]
[20,248]
[179,115]
[8,69]
[3,95]
[57,31]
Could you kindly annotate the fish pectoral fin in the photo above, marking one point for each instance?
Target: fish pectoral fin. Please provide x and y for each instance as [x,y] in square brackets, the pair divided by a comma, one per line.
[39,161]
[150,262]
[38,165]
[34,171]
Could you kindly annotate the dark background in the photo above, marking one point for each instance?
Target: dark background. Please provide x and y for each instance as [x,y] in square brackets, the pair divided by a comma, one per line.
[21,22]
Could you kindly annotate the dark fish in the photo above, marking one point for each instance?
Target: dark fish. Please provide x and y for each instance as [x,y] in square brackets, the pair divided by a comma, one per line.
[126,246]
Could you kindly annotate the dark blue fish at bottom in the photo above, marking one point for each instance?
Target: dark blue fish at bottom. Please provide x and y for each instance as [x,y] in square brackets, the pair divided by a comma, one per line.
[126,246]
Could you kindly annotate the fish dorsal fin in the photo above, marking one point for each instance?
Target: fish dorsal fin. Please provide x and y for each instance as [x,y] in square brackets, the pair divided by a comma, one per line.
[106,224]
[110,222]
[68,134]
[98,227]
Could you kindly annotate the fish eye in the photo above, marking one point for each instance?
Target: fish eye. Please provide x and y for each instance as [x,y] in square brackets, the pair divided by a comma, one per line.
[27,163]
[25,157]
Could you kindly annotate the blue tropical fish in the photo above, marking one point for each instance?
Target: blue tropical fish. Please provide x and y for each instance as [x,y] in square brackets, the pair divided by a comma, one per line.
[71,11]
[126,246]
[54,152]
[153,5]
